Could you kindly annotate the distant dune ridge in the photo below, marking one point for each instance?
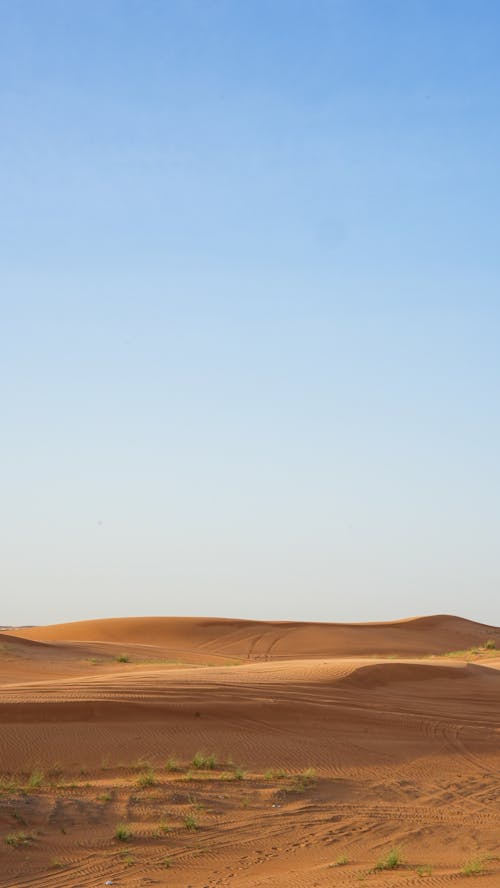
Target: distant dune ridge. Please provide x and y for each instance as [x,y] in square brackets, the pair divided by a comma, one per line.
[253,639]
[330,741]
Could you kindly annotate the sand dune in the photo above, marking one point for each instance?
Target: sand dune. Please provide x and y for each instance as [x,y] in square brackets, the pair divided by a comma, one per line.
[250,639]
[18,643]
[332,745]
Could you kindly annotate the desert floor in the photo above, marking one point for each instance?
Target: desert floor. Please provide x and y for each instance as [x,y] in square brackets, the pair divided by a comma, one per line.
[202,752]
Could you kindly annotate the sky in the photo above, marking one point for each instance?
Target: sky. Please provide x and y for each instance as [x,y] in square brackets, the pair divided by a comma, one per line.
[249,293]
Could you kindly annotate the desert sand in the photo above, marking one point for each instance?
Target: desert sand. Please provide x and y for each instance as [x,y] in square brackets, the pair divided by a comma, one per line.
[205,752]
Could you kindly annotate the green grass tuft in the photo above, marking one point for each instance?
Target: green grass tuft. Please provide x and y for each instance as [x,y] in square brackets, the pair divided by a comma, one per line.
[122,833]
[128,859]
[390,862]
[172,764]
[9,785]
[161,830]
[57,863]
[146,779]
[341,861]
[425,870]
[19,838]
[303,781]
[204,762]
[275,774]
[473,867]
[35,780]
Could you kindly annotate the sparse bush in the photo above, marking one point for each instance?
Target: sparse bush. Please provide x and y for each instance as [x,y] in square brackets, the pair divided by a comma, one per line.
[105,797]
[304,780]
[123,658]
[128,859]
[237,774]
[19,838]
[172,764]
[146,779]
[341,861]
[190,822]
[273,774]
[490,645]
[9,785]
[425,870]
[35,779]
[123,833]
[166,862]
[72,786]
[161,830]
[204,762]
[473,867]
[57,863]
[392,861]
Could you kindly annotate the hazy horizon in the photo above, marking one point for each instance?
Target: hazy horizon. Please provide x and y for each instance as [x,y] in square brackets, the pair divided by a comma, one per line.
[250,315]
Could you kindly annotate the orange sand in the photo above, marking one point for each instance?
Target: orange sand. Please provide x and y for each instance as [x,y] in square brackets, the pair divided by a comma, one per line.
[403,742]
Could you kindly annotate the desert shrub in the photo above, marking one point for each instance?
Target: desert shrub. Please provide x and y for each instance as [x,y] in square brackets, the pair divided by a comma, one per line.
[146,779]
[490,645]
[237,774]
[35,779]
[19,838]
[128,859]
[190,822]
[391,861]
[204,762]
[274,774]
[341,861]
[122,832]
[123,658]
[57,863]
[304,780]
[10,785]
[172,764]
[473,867]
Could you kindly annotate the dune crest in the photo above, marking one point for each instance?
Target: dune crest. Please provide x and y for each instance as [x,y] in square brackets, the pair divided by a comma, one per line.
[252,639]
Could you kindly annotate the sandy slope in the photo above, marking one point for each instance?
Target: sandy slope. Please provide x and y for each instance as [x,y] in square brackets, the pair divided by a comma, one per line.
[251,639]
[405,752]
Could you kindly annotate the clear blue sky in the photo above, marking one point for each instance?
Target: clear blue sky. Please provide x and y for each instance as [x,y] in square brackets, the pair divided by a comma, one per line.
[249,357]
